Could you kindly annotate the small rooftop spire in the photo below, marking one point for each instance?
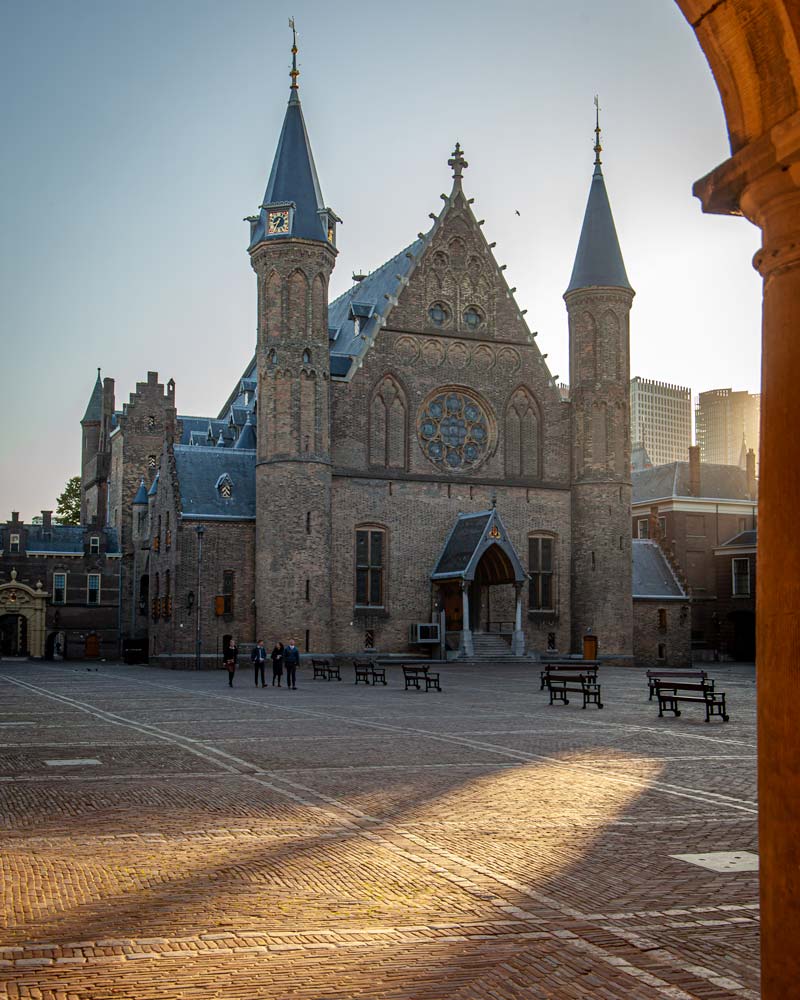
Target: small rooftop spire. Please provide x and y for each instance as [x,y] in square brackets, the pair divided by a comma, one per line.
[598,149]
[295,72]
[458,163]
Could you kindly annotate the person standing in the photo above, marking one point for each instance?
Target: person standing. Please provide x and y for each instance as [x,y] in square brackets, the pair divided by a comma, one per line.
[291,658]
[277,663]
[230,658]
[259,658]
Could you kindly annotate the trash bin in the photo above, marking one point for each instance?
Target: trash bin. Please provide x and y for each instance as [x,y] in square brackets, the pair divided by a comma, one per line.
[590,646]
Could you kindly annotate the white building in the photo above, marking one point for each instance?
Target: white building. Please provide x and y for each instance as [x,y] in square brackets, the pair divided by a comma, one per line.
[661,420]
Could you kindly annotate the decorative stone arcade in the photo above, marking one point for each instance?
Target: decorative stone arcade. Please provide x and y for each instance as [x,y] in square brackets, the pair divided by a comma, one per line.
[478,555]
[25,605]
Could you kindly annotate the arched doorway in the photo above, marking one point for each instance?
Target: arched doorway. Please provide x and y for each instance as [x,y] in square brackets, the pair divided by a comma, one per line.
[477,560]
[14,635]
[22,614]
[753,49]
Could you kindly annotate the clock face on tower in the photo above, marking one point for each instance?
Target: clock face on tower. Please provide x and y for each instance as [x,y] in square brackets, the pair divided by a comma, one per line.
[278,222]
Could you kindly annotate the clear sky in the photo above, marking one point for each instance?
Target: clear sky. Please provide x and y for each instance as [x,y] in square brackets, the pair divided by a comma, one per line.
[137,136]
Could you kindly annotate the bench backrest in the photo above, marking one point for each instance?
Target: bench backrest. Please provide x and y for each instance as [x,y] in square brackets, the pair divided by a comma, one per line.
[407,669]
[683,686]
[320,663]
[555,667]
[656,674]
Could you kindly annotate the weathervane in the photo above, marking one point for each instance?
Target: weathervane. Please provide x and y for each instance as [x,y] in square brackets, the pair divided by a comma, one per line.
[598,149]
[295,71]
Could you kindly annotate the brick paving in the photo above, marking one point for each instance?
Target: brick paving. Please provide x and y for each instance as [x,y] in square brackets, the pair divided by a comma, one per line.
[341,842]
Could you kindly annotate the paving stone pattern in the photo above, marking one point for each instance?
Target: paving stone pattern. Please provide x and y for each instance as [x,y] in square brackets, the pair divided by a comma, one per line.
[357,842]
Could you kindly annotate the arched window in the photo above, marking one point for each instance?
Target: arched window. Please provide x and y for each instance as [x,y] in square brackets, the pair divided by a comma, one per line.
[522,439]
[370,580]
[306,357]
[388,419]
[542,590]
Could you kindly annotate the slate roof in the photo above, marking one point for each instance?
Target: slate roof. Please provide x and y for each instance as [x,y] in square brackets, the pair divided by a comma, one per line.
[199,470]
[367,300]
[66,538]
[461,544]
[598,261]
[472,537]
[652,574]
[141,494]
[94,410]
[293,178]
[717,482]
[745,539]
[154,486]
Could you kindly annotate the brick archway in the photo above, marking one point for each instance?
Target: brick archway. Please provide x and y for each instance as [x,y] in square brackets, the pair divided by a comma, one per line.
[753,49]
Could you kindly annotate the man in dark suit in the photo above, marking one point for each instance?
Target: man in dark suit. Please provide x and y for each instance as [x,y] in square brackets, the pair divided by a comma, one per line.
[291,658]
[259,658]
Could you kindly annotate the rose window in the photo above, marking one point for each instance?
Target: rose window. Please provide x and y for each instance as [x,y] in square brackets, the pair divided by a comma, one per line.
[454,430]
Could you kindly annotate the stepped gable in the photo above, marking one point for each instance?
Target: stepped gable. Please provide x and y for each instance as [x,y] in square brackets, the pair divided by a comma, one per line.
[652,573]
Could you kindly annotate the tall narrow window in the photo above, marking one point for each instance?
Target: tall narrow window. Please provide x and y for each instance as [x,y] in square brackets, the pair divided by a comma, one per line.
[224,601]
[13,543]
[93,588]
[541,573]
[94,545]
[167,606]
[370,558]
[59,588]
[740,569]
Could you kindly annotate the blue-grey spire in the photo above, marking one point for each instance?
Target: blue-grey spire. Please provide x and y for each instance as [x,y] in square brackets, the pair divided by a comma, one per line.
[154,488]
[293,204]
[247,438]
[598,262]
[141,494]
[94,411]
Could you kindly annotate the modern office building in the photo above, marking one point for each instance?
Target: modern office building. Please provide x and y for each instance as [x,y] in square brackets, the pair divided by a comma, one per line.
[661,419]
[727,425]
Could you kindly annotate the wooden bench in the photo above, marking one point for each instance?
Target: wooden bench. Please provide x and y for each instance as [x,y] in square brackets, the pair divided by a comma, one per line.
[560,684]
[326,670]
[369,672]
[694,676]
[590,670]
[414,674]
[669,693]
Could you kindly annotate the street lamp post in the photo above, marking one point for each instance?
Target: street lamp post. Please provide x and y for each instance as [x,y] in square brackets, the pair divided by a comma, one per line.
[200,529]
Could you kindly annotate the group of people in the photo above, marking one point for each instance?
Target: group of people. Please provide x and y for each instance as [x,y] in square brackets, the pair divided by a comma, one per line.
[283,657]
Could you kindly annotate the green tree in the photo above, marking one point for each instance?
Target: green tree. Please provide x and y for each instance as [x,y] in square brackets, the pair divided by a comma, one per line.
[68,510]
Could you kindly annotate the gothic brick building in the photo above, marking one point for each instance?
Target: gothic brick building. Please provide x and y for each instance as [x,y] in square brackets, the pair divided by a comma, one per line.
[401,455]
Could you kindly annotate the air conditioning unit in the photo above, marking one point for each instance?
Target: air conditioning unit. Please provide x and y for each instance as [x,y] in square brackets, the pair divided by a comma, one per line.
[422,632]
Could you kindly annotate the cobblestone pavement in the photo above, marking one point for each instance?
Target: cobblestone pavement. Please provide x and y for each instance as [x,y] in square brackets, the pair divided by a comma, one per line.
[165,836]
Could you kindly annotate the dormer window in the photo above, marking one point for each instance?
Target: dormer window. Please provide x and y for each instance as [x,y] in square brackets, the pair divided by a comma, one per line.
[225,486]
[13,543]
[94,545]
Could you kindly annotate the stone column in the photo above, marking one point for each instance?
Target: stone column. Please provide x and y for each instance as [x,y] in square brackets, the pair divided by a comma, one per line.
[518,639]
[775,206]
[762,181]
[466,632]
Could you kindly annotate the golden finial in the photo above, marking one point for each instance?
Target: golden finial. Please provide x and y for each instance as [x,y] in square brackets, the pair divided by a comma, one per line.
[295,71]
[598,149]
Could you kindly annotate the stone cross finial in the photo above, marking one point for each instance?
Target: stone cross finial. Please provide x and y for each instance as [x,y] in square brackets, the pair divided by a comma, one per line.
[457,162]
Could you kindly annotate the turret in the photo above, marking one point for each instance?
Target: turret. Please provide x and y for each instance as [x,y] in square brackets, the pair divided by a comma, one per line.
[598,302]
[292,250]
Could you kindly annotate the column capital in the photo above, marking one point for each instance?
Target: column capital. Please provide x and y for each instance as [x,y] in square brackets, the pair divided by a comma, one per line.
[762,182]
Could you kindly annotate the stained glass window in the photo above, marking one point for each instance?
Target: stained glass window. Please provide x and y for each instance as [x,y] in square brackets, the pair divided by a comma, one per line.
[453,430]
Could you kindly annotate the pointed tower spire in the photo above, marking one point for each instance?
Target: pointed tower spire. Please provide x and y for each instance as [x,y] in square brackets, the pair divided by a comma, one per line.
[598,262]
[94,411]
[293,204]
